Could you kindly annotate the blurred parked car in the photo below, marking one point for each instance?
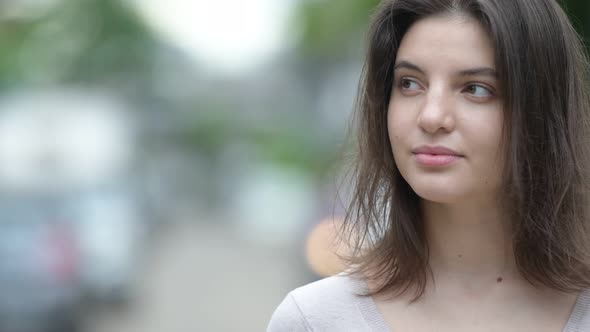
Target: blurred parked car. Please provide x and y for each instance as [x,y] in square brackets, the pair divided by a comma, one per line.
[111,233]
[38,268]
[79,145]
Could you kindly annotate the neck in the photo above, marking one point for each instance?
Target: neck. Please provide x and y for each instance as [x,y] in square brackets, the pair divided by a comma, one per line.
[469,243]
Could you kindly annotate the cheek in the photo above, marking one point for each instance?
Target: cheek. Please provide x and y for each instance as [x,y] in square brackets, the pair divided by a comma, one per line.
[485,144]
[390,120]
[398,123]
[482,126]
[399,129]
[491,133]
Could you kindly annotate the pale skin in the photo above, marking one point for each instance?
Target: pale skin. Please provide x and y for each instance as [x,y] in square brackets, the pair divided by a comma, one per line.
[445,93]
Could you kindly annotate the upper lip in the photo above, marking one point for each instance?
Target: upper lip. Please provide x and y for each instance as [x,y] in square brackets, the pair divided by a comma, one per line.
[440,150]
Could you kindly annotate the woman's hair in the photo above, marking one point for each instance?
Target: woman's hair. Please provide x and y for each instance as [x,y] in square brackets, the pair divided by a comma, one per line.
[543,75]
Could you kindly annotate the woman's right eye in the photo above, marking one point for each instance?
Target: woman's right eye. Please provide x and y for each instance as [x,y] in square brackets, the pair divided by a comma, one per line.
[409,85]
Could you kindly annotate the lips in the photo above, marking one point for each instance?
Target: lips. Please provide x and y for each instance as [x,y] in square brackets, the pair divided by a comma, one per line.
[436,150]
[436,156]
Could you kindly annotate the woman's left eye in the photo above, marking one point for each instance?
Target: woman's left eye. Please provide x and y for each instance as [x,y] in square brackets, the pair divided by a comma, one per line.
[479,91]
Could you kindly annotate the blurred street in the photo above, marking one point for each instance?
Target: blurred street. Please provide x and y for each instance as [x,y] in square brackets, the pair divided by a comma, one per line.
[201,278]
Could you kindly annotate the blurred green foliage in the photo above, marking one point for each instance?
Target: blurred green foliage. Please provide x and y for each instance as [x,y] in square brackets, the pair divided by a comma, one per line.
[330,26]
[579,13]
[289,143]
[75,41]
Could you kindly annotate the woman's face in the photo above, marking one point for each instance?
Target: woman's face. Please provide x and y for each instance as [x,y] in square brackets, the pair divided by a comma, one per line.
[445,117]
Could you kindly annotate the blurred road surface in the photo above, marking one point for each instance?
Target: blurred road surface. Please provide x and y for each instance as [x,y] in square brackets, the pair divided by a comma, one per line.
[202,277]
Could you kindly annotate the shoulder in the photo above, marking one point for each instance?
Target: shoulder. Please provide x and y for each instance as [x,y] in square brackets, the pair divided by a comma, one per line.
[580,317]
[337,290]
[327,304]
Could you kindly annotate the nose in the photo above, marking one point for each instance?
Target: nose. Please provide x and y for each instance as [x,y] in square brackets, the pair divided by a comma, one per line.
[437,112]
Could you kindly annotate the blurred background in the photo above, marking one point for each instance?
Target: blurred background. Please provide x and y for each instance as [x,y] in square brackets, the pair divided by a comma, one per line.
[172,165]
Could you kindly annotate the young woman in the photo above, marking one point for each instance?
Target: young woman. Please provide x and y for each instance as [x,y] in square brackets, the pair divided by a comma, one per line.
[471,209]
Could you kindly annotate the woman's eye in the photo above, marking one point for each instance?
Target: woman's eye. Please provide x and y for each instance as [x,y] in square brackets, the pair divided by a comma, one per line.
[479,91]
[409,85]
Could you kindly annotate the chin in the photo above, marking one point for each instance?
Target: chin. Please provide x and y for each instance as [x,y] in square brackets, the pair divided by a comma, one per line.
[440,196]
[449,192]
[446,193]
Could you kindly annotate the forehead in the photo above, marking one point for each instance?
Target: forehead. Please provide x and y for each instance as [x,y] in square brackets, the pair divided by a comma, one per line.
[449,41]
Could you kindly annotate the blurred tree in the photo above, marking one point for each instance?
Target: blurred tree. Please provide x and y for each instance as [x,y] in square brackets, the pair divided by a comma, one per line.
[73,41]
[329,27]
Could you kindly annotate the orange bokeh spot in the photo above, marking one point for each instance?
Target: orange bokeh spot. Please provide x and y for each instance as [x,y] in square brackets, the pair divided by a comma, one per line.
[322,248]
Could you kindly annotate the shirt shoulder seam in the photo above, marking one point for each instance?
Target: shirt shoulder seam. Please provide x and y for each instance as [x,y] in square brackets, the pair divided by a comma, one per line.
[305,322]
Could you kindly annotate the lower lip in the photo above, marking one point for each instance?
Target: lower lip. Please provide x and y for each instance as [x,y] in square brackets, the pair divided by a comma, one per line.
[436,159]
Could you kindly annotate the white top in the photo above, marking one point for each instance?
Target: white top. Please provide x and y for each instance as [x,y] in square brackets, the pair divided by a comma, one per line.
[331,304]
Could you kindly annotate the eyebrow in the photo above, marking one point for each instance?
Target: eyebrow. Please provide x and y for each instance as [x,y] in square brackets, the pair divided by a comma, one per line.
[478,71]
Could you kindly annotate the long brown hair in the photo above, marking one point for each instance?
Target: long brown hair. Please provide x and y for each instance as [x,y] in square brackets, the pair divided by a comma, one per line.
[543,72]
